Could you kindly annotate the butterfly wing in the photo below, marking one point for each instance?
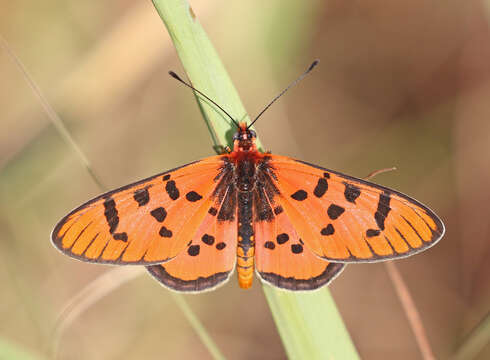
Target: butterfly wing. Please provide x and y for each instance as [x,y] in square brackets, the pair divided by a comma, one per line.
[208,261]
[344,219]
[283,261]
[150,221]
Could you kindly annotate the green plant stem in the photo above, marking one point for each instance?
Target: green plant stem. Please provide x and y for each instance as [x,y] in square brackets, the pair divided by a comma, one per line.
[62,130]
[475,341]
[198,327]
[309,323]
[11,351]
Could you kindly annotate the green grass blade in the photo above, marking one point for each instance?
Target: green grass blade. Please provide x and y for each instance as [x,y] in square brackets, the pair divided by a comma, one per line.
[6,348]
[198,327]
[203,67]
[475,341]
[9,350]
[309,323]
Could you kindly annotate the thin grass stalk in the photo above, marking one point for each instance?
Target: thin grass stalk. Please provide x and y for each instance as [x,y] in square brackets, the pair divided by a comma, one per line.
[98,293]
[475,342]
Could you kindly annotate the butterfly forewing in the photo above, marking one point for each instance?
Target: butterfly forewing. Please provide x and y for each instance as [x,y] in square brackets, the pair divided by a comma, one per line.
[344,219]
[147,222]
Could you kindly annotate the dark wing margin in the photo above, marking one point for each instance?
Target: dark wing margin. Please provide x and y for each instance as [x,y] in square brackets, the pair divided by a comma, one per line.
[332,270]
[188,286]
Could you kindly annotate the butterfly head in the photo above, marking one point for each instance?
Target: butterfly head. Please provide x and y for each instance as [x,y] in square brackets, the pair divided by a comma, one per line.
[244,138]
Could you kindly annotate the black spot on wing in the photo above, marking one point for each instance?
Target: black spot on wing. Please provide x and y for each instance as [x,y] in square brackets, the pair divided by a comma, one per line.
[213,211]
[194,250]
[326,175]
[121,236]
[334,211]
[296,248]
[351,192]
[269,245]
[172,190]
[159,214]
[321,188]
[193,196]
[327,230]
[141,196]
[372,232]
[278,209]
[208,239]
[383,209]
[110,213]
[300,195]
[220,246]
[164,232]
[166,177]
[282,238]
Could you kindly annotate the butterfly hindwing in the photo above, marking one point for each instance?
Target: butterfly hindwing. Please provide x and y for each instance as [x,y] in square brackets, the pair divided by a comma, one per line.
[344,219]
[283,260]
[150,221]
[208,261]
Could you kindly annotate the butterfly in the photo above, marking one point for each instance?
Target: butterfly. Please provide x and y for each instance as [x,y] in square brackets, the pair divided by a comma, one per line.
[295,224]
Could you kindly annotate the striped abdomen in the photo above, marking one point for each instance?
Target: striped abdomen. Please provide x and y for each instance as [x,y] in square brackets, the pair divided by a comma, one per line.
[246,242]
[245,175]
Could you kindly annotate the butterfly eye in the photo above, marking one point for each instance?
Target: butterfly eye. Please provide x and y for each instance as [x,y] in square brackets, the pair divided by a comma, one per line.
[236,136]
[252,133]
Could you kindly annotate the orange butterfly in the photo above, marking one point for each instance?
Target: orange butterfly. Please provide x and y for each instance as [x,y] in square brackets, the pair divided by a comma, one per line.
[295,223]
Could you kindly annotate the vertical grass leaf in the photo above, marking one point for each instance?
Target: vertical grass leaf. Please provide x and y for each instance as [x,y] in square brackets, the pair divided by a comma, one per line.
[309,323]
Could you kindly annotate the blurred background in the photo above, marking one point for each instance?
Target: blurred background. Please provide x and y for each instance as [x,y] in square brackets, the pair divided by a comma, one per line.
[401,83]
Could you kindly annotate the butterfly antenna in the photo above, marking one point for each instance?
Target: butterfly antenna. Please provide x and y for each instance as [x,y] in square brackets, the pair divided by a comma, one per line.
[311,67]
[177,77]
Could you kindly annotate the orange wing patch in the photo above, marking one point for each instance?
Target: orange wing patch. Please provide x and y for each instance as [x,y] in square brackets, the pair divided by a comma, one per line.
[208,261]
[345,219]
[141,223]
[283,260]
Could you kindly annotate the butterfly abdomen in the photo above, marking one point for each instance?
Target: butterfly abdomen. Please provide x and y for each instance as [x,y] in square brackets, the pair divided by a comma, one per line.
[246,240]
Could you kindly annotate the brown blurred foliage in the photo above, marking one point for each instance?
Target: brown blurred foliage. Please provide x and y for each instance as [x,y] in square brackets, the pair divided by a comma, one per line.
[400,83]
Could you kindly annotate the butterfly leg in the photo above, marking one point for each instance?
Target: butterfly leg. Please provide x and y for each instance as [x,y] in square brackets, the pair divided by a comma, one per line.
[378,172]
[222,150]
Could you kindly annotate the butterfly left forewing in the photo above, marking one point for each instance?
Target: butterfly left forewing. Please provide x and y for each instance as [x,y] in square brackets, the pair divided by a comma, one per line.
[345,219]
[147,222]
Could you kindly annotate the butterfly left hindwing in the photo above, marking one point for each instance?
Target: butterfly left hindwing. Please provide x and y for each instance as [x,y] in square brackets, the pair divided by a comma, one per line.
[208,260]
